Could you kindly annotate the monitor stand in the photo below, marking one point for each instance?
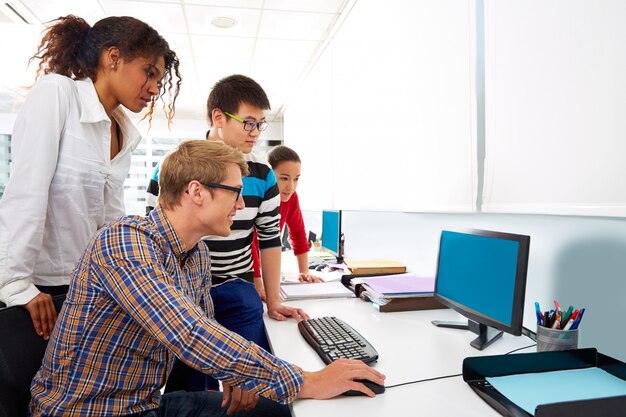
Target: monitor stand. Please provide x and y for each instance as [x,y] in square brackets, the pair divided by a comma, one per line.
[486,335]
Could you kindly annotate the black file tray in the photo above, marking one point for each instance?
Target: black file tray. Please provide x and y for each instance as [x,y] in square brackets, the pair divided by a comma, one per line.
[476,369]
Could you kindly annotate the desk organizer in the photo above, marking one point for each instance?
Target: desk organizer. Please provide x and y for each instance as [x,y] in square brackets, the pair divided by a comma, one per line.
[477,369]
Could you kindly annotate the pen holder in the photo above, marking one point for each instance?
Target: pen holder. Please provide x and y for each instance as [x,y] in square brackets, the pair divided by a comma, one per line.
[554,339]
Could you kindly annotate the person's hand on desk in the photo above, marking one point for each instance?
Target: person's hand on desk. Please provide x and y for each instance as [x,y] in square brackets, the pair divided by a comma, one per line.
[279,312]
[42,312]
[238,399]
[307,277]
[339,377]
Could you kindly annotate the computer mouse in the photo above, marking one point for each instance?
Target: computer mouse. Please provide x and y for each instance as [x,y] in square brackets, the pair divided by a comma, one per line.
[378,389]
[320,267]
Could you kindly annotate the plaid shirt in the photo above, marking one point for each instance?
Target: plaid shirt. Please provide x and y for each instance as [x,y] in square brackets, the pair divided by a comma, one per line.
[137,299]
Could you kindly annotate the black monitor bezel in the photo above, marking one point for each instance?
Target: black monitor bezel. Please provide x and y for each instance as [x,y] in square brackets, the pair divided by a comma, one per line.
[338,254]
[519,294]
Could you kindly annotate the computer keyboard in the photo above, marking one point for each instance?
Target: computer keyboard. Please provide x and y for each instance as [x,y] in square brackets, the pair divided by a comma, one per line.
[332,339]
[315,261]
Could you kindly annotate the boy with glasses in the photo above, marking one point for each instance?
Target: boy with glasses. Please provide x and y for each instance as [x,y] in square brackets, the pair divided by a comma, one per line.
[236,107]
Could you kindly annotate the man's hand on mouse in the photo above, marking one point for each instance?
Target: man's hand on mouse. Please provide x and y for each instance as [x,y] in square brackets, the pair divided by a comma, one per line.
[339,377]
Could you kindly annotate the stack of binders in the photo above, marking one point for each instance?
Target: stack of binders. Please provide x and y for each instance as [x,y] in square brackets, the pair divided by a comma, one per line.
[400,292]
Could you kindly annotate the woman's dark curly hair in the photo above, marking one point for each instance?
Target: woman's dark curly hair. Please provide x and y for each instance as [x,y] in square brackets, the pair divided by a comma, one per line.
[72,48]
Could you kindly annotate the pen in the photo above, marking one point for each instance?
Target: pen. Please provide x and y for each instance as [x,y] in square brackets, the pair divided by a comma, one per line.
[557,306]
[578,319]
[567,316]
[538,312]
[569,324]
[575,314]
[551,319]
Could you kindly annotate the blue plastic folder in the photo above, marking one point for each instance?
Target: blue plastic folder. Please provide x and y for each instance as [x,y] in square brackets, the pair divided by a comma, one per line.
[530,390]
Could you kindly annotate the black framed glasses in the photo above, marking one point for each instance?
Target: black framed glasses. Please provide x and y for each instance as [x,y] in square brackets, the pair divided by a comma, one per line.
[249,125]
[236,190]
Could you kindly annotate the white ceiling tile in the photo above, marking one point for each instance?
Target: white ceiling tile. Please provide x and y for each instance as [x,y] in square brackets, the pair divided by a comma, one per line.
[23,45]
[187,69]
[278,80]
[284,50]
[199,19]
[320,6]
[273,42]
[164,17]
[211,69]
[251,4]
[90,10]
[179,43]
[223,48]
[294,25]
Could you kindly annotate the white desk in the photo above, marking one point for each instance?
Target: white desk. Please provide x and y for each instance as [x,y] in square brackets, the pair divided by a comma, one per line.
[410,348]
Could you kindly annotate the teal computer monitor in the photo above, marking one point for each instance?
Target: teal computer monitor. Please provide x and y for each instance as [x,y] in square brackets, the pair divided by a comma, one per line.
[482,275]
[331,233]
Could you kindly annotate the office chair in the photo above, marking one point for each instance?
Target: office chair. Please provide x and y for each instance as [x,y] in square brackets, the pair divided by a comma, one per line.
[21,353]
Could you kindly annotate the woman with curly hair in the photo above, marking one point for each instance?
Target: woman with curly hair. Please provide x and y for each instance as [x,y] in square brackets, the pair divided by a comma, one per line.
[71,149]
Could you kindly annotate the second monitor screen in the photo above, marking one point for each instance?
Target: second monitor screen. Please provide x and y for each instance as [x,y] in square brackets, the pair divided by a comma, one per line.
[331,231]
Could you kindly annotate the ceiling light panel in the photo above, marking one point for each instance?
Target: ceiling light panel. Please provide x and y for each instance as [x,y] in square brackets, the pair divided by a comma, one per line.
[199,19]
[294,25]
[164,17]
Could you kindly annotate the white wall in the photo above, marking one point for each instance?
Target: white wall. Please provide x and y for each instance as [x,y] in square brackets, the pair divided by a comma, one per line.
[387,108]
[577,260]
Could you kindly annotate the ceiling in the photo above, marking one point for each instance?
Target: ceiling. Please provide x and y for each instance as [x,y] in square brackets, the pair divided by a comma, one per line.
[274,41]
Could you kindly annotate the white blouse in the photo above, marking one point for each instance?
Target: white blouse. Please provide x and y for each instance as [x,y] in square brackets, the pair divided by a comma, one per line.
[63,186]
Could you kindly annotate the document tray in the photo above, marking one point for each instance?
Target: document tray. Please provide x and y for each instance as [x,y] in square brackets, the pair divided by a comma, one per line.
[477,369]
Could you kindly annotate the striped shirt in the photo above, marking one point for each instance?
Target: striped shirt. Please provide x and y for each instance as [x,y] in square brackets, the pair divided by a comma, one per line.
[137,299]
[231,257]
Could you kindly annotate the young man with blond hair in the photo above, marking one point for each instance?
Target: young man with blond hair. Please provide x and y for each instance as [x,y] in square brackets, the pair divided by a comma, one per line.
[140,297]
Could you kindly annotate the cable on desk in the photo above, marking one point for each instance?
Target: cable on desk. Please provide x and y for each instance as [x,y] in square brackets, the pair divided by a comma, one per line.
[450,376]
[522,348]
[422,380]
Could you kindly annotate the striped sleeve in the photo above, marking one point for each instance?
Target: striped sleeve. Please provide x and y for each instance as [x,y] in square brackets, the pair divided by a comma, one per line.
[267,221]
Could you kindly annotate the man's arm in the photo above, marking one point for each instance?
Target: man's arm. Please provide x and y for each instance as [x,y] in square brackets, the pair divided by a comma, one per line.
[140,284]
[270,266]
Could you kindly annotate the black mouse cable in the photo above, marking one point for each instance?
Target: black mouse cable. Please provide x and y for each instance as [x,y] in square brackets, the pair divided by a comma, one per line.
[421,380]
[448,376]
[522,348]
